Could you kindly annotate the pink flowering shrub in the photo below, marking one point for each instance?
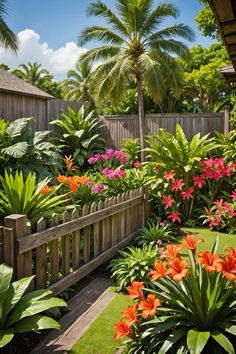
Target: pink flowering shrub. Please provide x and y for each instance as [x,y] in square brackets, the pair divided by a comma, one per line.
[110,159]
[222,215]
[180,198]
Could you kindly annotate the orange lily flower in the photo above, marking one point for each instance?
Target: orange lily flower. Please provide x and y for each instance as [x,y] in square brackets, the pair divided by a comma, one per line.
[62,179]
[122,330]
[135,290]
[229,267]
[130,315]
[45,189]
[211,262]
[159,270]
[172,251]
[192,242]
[149,306]
[231,251]
[178,269]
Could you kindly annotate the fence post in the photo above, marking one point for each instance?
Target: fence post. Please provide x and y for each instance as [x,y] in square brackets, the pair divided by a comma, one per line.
[226,119]
[21,262]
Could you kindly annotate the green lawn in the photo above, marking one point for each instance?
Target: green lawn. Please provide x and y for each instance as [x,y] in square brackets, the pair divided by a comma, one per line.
[99,337]
[225,240]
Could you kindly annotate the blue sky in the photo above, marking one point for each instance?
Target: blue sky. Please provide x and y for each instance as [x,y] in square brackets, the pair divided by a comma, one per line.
[53,28]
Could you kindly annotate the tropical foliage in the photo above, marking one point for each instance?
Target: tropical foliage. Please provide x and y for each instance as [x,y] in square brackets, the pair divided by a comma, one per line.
[8,39]
[19,195]
[135,49]
[187,306]
[22,149]
[22,312]
[80,136]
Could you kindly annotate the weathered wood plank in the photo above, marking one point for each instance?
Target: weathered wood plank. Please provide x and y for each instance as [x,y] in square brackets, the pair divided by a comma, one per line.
[39,238]
[41,259]
[84,270]
[86,236]
[54,253]
[66,247]
[75,243]
[94,208]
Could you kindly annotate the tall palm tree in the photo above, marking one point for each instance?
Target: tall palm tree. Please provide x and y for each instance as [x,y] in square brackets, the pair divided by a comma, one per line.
[34,73]
[134,46]
[8,39]
[79,85]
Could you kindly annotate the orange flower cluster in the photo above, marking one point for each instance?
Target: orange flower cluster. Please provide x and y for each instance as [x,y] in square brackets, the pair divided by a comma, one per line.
[73,182]
[147,306]
[176,268]
[45,189]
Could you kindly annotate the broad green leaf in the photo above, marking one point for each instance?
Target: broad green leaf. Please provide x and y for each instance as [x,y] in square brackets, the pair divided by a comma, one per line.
[5,277]
[35,323]
[223,341]
[6,336]
[196,340]
[172,339]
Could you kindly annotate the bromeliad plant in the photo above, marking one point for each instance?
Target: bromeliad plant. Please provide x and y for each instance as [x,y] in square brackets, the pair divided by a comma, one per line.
[19,195]
[187,306]
[19,312]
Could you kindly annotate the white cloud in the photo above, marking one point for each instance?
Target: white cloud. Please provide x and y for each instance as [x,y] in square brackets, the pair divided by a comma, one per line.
[31,49]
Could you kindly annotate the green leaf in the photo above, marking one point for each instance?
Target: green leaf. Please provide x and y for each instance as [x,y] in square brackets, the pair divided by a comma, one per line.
[5,277]
[223,341]
[196,340]
[6,336]
[35,323]
[172,339]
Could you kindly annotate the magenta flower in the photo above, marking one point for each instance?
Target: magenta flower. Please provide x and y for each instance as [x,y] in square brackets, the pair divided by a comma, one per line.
[98,188]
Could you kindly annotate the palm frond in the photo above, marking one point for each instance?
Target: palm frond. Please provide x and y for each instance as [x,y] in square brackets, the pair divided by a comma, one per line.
[101,53]
[102,34]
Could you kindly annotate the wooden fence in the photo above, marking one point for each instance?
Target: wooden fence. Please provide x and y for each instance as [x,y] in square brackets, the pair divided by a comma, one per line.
[13,106]
[118,128]
[62,254]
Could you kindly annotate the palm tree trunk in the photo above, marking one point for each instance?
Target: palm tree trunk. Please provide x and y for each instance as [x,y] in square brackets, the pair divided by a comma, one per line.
[141,117]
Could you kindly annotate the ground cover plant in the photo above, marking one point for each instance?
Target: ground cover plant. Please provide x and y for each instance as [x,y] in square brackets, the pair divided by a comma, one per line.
[187,306]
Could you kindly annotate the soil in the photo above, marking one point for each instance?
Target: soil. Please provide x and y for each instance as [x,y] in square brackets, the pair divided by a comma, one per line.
[24,343]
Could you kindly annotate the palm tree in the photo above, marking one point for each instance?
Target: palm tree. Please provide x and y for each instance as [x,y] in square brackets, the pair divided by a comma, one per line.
[78,85]
[8,39]
[34,73]
[134,47]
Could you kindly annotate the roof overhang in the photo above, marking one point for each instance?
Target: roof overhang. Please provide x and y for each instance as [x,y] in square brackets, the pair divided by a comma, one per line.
[228,73]
[225,14]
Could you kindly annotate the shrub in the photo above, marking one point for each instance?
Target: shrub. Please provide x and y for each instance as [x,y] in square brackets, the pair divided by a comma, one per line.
[79,136]
[132,263]
[155,233]
[23,313]
[132,149]
[188,305]
[19,195]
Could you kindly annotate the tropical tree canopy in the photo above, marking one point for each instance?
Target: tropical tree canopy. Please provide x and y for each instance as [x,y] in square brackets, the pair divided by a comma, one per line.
[78,85]
[8,39]
[33,73]
[135,48]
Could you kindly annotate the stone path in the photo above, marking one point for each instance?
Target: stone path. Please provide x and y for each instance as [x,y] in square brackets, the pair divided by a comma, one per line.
[84,308]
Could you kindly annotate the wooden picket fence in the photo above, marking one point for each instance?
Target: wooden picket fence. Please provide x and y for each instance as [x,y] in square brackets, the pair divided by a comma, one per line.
[70,249]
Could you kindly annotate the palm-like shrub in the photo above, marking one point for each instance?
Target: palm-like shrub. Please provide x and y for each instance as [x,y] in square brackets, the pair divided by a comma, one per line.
[189,306]
[227,144]
[175,152]
[23,313]
[80,136]
[132,263]
[22,149]
[24,196]
[153,233]
[132,149]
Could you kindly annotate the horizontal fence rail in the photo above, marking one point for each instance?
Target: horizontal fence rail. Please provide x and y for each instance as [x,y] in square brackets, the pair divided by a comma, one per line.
[68,250]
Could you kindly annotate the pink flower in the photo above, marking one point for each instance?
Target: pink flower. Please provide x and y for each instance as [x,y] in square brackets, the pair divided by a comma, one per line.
[198,181]
[187,194]
[174,216]
[98,188]
[169,175]
[137,164]
[167,201]
[177,184]
[233,195]
[94,159]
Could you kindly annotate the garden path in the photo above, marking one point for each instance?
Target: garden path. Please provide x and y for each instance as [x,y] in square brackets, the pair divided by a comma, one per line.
[84,308]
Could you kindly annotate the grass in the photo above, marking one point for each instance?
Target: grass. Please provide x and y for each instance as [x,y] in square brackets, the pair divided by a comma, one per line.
[225,240]
[99,337]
